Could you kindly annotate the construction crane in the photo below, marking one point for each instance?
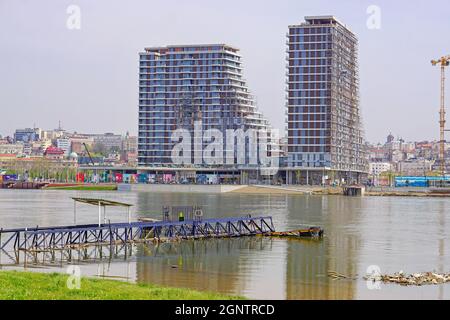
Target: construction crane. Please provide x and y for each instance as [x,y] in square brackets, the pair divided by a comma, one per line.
[90,158]
[443,62]
[89,154]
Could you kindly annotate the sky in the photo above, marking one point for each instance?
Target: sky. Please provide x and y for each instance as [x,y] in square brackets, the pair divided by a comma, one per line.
[87,78]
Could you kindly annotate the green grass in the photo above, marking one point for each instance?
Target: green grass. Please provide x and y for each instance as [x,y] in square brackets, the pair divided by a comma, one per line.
[15,285]
[89,188]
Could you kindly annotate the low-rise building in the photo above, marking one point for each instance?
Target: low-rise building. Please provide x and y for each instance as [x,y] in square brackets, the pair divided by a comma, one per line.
[6,140]
[45,143]
[129,143]
[52,134]
[108,140]
[113,158]
[416,167]
[64,144]
[375,168]
[130,158]
[37,148]
[76,144]
[397,156]
[14,148]
[54,153]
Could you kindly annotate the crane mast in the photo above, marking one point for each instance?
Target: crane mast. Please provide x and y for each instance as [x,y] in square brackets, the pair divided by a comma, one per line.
[443,62]
[90,158]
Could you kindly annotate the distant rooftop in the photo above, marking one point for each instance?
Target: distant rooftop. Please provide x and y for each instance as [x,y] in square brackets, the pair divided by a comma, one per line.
[51,150]
[158,49]
[313,19]
[318,20]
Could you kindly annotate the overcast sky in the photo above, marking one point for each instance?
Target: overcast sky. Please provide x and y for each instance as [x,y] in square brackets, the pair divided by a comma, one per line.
[88,77]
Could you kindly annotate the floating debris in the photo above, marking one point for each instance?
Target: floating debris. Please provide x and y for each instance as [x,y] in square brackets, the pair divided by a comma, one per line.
[338,276]
[308,232]
[416,279]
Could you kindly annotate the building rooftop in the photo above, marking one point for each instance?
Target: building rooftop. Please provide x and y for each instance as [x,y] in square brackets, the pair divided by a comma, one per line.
[54,151]
[158,49]
[328,18]
[325,19]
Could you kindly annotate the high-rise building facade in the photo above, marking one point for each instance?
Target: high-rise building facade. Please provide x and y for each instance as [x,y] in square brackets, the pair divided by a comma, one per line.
[324,127]
[27,135]
[182,86]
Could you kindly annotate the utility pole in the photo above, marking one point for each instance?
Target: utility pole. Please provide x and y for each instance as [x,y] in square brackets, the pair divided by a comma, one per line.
[443,62]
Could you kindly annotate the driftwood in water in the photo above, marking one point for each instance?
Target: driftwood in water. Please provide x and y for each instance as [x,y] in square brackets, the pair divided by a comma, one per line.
[339,276]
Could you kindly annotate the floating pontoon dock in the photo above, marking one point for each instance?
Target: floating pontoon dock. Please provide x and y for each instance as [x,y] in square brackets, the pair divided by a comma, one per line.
[190,224]
[60,237]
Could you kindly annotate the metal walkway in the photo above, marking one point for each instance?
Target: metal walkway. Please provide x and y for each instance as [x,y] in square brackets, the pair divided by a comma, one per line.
[61,237]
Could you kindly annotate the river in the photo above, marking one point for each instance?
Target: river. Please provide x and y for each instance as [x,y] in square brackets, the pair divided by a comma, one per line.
[361,233]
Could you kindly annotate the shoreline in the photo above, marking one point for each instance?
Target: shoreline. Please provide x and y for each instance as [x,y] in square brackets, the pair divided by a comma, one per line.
[84,186]
[406,194]
[246,189]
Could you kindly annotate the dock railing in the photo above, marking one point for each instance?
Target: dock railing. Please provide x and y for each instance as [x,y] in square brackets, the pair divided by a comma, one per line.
[60,237]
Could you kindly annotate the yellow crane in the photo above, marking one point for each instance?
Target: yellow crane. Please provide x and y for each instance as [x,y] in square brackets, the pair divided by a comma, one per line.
[443,62]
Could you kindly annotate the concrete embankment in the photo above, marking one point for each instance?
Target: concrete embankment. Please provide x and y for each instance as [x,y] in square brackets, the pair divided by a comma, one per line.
[266,189]
[407,192]
[318,190]
[180,188]
[284,189]
[82,186]
[242,189]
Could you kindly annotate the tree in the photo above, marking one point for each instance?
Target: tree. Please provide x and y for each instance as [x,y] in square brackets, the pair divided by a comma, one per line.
[298,175]
[99,148]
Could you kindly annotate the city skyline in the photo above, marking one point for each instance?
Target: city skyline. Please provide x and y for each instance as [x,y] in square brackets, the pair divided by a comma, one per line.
[69,69]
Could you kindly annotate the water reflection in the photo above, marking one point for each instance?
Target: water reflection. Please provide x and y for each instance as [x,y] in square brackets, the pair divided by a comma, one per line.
[292,269]
[441,235]
[203,264]
[61,257]
[309,261]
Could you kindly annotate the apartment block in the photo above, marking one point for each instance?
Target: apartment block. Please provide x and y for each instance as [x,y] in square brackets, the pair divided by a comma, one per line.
[184,86]
[323,117]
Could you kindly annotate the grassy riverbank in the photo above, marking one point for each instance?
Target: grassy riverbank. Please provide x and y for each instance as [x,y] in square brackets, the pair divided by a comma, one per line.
[15,285]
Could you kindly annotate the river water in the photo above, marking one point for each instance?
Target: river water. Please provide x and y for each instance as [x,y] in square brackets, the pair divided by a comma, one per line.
[361,234]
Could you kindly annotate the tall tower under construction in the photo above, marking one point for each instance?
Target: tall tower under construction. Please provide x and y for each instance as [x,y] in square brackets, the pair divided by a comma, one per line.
[324,127]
